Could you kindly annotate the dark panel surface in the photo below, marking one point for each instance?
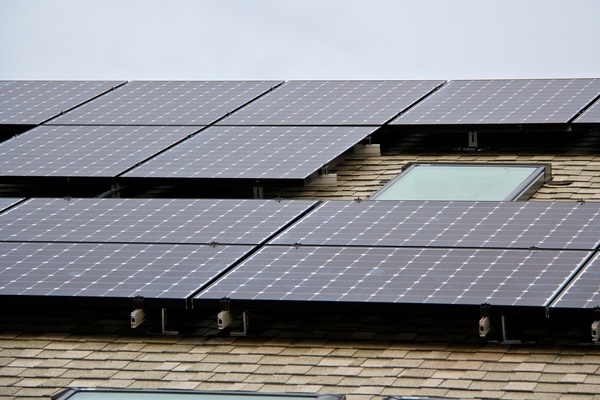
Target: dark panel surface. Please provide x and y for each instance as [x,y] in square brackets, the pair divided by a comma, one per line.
[167,103]
[111,270]
[333,103]
[253,152]
[149,220]
[33,102]
[84,151]
[583,292]
[504,101]
[591,115]
[546,225]
[387,275]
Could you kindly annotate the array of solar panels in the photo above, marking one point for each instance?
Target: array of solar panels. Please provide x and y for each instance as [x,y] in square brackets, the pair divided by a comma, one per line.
[109,248]
[467,253]
[206,130]
[255,130]
[399,252]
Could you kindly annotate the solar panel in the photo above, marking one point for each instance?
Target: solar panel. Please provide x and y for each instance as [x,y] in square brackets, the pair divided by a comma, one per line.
[33,102]
[167,103]
[6,202]
[548,225]
[84,151]
[253,152]
[398,275]
[591,115]
[504,101]
[149,220]
[584,291]
[111,270]
[332,103]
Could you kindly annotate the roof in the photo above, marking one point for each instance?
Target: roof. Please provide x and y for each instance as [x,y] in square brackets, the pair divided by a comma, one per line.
[362,353]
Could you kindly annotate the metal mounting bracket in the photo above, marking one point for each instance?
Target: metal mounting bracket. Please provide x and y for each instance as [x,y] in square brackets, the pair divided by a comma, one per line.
[258,192]
[164,329]
[595,328]
[473,145]
[485,323]
[226,317]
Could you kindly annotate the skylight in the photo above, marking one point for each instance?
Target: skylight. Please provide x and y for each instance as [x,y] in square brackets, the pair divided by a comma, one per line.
[139,394]
[477,182]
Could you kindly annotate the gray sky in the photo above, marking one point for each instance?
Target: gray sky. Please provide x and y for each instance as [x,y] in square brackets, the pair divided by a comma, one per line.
[292,39]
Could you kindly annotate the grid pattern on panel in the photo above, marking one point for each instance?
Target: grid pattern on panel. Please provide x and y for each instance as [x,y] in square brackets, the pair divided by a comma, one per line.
[400,275]
[332,103]
[167,103]
[149,220]
[253,152]
[591,115]
[111,270]
[84,151]
[504,102]
[6,202]
[584,291]
[449,224]
[33,102]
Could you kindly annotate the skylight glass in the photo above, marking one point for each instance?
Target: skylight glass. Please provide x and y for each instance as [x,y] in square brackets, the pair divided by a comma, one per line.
[139,394]
[476,182]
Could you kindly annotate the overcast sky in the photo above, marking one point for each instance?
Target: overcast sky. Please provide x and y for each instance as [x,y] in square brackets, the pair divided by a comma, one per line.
[292,39]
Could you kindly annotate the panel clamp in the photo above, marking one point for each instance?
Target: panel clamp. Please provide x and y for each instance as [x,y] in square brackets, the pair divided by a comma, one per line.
[138,316]
[595,328]
[226,317]
[485,323]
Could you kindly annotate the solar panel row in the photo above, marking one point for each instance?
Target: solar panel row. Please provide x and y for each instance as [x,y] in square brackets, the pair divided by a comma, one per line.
[374,252]
[197,103]
[275,131]
[33,102]
[139,120]
[112,248]
[503,101]
[399,275]
[469,253]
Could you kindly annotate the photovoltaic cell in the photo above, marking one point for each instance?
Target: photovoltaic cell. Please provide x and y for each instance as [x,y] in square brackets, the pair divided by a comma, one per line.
[6,202]
[584,291]
[167,103]
[399,275]
[84,151]
[253,152]
[33,102]
[546,225]
[149,220]
[332,103]
[504,101]
[591,115]
[111,270]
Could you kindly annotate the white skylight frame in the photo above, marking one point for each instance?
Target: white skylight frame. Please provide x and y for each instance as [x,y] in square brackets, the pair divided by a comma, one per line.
[521,191]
